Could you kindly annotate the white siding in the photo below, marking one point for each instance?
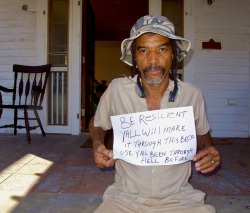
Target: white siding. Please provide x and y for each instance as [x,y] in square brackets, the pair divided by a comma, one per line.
[223,75]
[17,44]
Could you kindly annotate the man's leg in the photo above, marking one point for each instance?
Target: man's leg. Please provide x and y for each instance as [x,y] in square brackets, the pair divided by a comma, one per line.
[198,208]
[116,206]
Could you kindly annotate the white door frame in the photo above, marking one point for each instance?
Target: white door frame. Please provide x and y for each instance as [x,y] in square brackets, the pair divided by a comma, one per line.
[74,64]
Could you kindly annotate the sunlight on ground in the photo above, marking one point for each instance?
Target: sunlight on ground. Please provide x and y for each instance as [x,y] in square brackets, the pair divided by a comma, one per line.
[18,179]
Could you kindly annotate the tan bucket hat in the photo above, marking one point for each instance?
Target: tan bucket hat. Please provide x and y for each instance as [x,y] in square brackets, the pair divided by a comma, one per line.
[153,24]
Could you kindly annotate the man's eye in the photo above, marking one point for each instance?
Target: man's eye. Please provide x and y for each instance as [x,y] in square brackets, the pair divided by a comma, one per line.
[142,50]
[163,49]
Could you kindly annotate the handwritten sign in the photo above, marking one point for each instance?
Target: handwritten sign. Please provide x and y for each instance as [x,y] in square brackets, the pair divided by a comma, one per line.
[158,137]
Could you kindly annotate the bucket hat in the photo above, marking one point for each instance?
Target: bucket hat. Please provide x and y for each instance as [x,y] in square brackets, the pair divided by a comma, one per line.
[153,24]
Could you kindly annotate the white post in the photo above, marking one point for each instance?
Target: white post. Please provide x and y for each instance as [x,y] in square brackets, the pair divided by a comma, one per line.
[189,33]
[154,7]
[75,66]
[42,19]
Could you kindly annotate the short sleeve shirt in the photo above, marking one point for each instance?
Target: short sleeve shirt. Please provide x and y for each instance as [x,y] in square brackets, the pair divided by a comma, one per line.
[140,183]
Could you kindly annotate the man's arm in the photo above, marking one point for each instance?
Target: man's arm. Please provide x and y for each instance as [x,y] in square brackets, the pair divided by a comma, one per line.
[103,157]
[207,157]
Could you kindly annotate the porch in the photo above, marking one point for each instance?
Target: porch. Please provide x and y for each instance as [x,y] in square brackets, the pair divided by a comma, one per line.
[54,174]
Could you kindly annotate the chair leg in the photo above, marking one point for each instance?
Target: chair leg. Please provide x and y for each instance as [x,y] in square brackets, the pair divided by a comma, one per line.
[1,102]
[39,122]
[27,125]
[15,121]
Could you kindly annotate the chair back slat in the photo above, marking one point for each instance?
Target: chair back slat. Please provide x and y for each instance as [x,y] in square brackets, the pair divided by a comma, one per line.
[40,87]
[32,91]
[14,92]
[27,89]
[28,76]
[20,89]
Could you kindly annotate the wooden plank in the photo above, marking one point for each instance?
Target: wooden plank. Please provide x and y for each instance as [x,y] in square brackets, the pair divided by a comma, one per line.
[222,29]
[230,126]
[223,85]
[222,69]
[223,54]
[227,111]
[12,45]
[228,118]
[238,62]
[225,94]
[222,5]
[203,77]
[18,60]
[18,30]
[18,38]
[230,134]
[19,52]
[221,21]
[19,23]
[3,2]
[223,102]
[16,15]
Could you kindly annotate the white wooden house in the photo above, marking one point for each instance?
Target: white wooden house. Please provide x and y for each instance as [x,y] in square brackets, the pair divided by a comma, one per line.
[222,74]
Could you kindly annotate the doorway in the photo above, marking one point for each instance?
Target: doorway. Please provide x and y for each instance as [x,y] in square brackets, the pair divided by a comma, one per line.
[88,64]
[107,50]
[59,26]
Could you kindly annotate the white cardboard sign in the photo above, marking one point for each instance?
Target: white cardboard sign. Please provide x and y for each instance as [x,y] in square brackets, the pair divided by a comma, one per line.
[158,137]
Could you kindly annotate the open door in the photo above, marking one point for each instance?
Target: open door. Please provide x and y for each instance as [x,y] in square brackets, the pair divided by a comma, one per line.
[88,56]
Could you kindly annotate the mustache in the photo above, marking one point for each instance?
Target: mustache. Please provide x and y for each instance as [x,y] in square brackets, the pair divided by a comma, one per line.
[154,67]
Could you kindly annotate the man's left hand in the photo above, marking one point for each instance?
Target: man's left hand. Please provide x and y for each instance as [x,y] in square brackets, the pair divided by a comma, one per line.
[207,159]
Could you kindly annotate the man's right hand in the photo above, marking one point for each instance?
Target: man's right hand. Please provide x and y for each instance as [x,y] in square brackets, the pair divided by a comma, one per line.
[103,157]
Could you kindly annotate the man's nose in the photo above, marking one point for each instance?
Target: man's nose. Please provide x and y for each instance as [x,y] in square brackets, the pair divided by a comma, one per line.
[153,57]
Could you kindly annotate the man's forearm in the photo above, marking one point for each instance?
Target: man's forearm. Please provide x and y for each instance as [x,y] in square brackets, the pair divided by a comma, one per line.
[204,141]
[97,134]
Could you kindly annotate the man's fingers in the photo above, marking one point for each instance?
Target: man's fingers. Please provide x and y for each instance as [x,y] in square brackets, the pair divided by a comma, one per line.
[207,160]
[208,153]
[103,157]
[209,167]
[101,163]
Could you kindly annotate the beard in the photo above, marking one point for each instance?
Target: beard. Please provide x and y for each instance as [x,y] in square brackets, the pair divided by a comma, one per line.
[154,81]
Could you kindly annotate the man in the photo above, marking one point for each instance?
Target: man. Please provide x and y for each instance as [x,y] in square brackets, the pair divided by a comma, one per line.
[155,51]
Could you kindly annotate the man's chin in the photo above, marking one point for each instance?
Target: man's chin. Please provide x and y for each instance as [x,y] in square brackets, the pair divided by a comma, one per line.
[154,81]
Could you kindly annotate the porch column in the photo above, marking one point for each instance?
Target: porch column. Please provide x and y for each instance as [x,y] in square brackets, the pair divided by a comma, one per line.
[154,7]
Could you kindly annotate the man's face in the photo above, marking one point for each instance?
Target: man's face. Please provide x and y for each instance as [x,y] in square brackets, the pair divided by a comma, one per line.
[154,57]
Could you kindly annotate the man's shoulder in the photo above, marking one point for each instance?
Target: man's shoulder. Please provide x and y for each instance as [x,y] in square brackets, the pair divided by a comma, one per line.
[187,86]
[116,82]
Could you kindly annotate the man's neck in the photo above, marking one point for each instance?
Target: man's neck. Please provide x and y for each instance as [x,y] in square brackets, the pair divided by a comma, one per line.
[155,93]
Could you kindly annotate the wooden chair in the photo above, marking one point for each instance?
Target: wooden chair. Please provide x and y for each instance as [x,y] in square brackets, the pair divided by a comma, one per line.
[27,94]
